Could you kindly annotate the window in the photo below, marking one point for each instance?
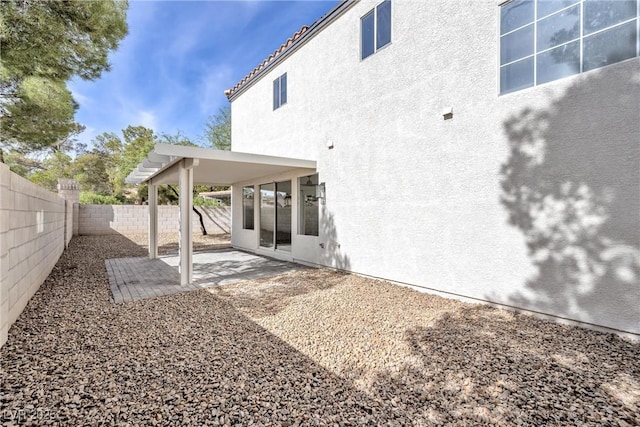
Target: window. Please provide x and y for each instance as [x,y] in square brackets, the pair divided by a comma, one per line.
[247,207]
[545,40]
[308,205]
[280,91]
[375,29]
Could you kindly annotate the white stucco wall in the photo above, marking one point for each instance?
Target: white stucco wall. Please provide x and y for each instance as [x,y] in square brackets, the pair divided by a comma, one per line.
[417,199]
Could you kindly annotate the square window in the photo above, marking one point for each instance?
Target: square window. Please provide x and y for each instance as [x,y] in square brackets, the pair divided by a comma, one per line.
[280,91]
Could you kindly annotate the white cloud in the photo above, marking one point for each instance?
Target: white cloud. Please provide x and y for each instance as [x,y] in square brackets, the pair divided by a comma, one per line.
[147,119]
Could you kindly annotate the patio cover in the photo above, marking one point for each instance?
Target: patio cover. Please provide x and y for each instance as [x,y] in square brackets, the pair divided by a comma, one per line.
[214,167]
[176,164]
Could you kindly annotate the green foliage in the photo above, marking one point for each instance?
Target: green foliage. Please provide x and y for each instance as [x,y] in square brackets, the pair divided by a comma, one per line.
[88,198]
[58,165]
[58,40]
[101,170]
[218,129]
[20,164]
[201,201]
[138,141]
[178,139]
[44,44]
[41,115]
[90,169]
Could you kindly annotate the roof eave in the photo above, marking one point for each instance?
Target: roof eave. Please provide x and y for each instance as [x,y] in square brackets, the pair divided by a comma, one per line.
[317,26]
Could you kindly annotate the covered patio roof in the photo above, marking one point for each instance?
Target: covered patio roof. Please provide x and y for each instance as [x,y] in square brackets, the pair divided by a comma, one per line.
[186,166]
[212,167]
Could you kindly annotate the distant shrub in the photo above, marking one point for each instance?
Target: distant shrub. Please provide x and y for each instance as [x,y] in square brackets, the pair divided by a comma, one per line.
[201,201]
[87,198]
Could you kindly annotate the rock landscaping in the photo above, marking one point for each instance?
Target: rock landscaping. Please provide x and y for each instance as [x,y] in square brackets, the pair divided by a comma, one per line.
[313,347]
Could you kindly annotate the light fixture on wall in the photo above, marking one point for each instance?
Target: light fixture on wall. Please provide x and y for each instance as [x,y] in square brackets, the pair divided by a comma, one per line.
[321,192]
[447,113]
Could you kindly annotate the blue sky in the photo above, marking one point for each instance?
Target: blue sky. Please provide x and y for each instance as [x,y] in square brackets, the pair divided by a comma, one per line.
[172,69]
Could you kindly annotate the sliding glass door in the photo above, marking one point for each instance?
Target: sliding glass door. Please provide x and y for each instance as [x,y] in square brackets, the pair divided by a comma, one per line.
[275,215]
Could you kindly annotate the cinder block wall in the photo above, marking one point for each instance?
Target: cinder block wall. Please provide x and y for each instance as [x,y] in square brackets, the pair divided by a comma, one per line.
[124,219]
[32,238]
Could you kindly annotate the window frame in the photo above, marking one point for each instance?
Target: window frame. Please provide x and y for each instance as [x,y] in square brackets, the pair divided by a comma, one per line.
[374,11]
[301,228]
[278,81]
[539,52]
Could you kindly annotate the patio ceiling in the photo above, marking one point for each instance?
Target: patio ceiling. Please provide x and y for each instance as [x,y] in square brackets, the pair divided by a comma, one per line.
[212,167]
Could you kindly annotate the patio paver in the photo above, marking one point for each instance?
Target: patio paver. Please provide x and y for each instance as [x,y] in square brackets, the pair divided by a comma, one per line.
[139,278]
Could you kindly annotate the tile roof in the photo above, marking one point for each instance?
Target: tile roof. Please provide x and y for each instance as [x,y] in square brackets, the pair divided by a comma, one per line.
[290,41]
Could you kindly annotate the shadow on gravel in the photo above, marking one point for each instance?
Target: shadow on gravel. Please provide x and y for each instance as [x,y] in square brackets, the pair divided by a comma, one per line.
[482,365]
[269,296]
[73,358]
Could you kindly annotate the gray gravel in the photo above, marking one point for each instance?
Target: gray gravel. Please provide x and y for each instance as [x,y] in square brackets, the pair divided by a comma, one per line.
[308,348]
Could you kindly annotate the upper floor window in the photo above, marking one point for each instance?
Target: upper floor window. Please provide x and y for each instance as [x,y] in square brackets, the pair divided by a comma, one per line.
[375,29]
[280,91]
[545,40]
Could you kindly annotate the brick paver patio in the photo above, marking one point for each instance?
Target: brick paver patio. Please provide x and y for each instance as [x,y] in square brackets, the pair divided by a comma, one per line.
[139,278]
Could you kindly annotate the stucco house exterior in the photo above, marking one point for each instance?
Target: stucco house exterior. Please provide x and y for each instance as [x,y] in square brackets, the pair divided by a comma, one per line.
[481,150]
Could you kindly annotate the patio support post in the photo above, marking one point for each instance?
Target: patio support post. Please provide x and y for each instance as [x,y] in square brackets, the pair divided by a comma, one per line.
[153,221]
[185,180]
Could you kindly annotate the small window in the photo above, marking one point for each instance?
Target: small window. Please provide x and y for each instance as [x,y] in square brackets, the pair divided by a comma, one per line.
[280,91]
[375,29]
[308,205]
[247,207]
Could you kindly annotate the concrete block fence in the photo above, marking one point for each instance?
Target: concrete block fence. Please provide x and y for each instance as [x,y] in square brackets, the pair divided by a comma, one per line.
[126,219]
[36,225]
[34,229]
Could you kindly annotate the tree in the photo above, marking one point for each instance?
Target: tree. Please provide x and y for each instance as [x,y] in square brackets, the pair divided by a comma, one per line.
[90,170]
[178,139]
[218,129]
[138,142]
[58,165]
[108,148]
[41,116]
[20,164]
[44,44]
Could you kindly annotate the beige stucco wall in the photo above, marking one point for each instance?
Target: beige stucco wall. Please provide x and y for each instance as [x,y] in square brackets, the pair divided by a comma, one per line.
[32,238]
[528,199]
[123,219]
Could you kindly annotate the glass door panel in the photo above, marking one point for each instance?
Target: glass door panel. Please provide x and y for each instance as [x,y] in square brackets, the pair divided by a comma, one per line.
[267,214]
[283,215]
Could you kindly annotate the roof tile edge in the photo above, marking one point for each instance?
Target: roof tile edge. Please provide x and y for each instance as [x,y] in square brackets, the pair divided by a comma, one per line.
[277,52]
[285,47]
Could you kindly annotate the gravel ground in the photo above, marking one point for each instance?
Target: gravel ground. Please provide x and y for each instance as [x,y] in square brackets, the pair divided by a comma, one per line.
[307,348]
